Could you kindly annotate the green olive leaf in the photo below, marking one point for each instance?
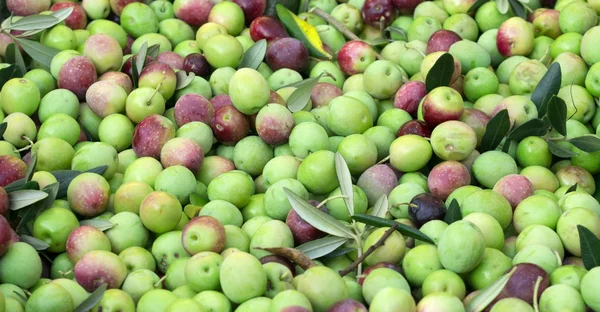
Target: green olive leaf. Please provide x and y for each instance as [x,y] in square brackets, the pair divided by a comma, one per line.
[101,225]
[557,114]
[441,73]
[8,73]
[588,143]
[547,88]
[487,295]
[31,167]
[34,22]
[533,127]
[292,5]
[590,247]
[502,6]
[254,55]
[316,217]
[63,14]
[39,52]
[300,97]
[380,209]
[322,246]
[573,188]
[183,79]
[141,57]
[338,252]
[497,128]
[402,228]
[153,51]
[476,5]
[453,213]
[3,128]
[92,300]
[518,8]
[396,30]
[37,244]
[13,56]
[345,179]
[28,214]
[64,178]
[24,198]
[559,151]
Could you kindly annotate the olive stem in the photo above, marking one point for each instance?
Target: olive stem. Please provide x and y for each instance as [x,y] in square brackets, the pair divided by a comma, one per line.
[368,252]
[149,102]
[535,293]
[384,160]
[339,26]
[28,145]
[157,284]
[326,200]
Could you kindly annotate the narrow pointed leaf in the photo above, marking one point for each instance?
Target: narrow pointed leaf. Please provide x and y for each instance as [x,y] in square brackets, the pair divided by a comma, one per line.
[63,14]
[590,247]
[36,21]
[37,244]
[183,79]
[518,8]
[3,128]
[345,180]
[31,167]
[13,56]
[487,295]
[153,51]
[101,225]
[476,5]
[395,30]
[548,87]
[502,6]
[20,295]
[497,128]
[559,151]
[316,217]
[23,198]
[135,76]
[21,184]
[92,300]
[322,246]
[141,57]
[381,207]
[587,143]
[557,114]
[441,73]
[453,213]
[8,73]
[28,214]
[402,228]
[38,51]
[338,252]
[300,97]
[254,55]
[533,127]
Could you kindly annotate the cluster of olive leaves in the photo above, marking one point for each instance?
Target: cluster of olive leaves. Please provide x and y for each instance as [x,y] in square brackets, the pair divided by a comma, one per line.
[518,7]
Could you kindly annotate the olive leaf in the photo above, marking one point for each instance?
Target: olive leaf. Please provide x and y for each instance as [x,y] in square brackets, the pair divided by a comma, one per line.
[557,114]
[254,55]
[502,6]
[590,247]
[3,128]
[533,127]
[453,213]
[402,228]
[388,31]
[559,151]
[183,79]
[34,22]
[153,51]
[8,73]
[101,225]
[495,131]
[588,143]
[345,180]
[380,209]
[441,73]
[28,214]
[13,56]
[547,88]
[21,184]
[92,300]
[487,295]
[64,178]
[39,52]
[37,244]
[141,57]
[518,8]
[476,5]
[300,97]
[24,198]
[31,167]
[292,5]
[322,246]
[338,252]
[317,218]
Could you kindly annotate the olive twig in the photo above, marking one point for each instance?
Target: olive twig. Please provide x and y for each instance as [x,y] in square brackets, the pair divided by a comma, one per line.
[369,251]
